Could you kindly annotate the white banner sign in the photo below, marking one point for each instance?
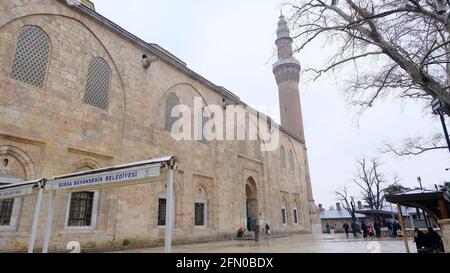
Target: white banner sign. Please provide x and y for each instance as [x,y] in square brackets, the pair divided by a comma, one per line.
[116,177]
[13,193]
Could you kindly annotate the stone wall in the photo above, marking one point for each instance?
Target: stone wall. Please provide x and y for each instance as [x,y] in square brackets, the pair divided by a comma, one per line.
[50,131]
[446,234]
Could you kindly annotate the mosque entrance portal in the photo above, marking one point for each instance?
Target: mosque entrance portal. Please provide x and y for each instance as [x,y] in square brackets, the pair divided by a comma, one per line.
[251,203]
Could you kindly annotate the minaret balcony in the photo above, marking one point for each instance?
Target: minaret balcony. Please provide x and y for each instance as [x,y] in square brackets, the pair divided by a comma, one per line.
[285,63]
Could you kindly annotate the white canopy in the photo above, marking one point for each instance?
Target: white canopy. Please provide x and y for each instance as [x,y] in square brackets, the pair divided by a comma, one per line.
[115,176]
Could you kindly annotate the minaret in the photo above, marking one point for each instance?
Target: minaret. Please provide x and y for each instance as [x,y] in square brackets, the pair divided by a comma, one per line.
[287,73]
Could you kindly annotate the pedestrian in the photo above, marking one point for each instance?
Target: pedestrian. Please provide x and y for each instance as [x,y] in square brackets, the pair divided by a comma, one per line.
[390,229]
[395,226]
[256,228]
[435,240]
[346,228]
[377,227]
[364,229]
[370,231]
[355,229]
[241,232]
[267,228]
[421,241]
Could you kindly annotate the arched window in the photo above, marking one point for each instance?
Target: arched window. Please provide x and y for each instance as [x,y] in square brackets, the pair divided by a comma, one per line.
[296,213]
[284,215]
[31,57]
[291,160]
[171,101]
[202,127]
[283,157]
[201,207]
[98,83]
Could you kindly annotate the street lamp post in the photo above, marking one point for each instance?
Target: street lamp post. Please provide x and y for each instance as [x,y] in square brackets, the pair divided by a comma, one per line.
[440,107]
[353,205]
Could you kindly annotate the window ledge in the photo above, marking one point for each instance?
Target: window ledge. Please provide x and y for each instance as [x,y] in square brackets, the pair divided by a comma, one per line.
[164,227]
[203,228]
[79,230]
[8,229]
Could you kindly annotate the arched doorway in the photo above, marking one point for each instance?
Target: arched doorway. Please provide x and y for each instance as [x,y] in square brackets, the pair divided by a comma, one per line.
[251,210]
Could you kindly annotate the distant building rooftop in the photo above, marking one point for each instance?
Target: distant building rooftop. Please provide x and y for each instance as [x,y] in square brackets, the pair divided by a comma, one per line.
[338,214]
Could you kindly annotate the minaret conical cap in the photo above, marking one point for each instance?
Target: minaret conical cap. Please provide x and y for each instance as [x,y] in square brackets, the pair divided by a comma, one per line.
[283,29]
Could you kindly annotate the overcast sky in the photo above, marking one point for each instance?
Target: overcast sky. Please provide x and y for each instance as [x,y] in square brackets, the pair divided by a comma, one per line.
[231,43]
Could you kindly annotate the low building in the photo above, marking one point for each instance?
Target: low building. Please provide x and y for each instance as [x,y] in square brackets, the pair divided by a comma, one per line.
[336,218]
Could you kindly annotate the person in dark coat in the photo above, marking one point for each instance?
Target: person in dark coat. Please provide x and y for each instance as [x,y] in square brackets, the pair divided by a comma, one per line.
[395,226]
[346,228]
[267,228]
[421,240]
[355,229]
[434,240]
[364,229]
[390,228]
[377,227]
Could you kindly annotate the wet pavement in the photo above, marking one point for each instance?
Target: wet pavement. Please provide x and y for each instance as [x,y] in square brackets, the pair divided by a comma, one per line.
[323,243]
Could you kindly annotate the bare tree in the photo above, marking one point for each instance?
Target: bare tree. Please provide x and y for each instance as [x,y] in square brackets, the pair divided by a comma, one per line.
[348,202]
[370,180]
[399,47]
[416,146]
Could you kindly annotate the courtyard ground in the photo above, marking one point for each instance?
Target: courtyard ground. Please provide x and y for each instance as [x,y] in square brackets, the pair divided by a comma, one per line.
[323,243]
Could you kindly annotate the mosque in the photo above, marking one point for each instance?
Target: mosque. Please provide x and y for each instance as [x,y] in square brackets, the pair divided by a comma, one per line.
[78,94]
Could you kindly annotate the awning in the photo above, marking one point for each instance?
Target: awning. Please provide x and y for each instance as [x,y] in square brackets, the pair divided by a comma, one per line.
[140,172]
[19,189]
[115,176]
[432,202]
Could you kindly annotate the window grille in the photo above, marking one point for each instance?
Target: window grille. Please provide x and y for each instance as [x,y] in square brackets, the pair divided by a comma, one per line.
[6,209]
[199,214]
[98,83]
[171,101]
[81,206]
[31,57]
[162,212]
[284,216]
[204,121]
